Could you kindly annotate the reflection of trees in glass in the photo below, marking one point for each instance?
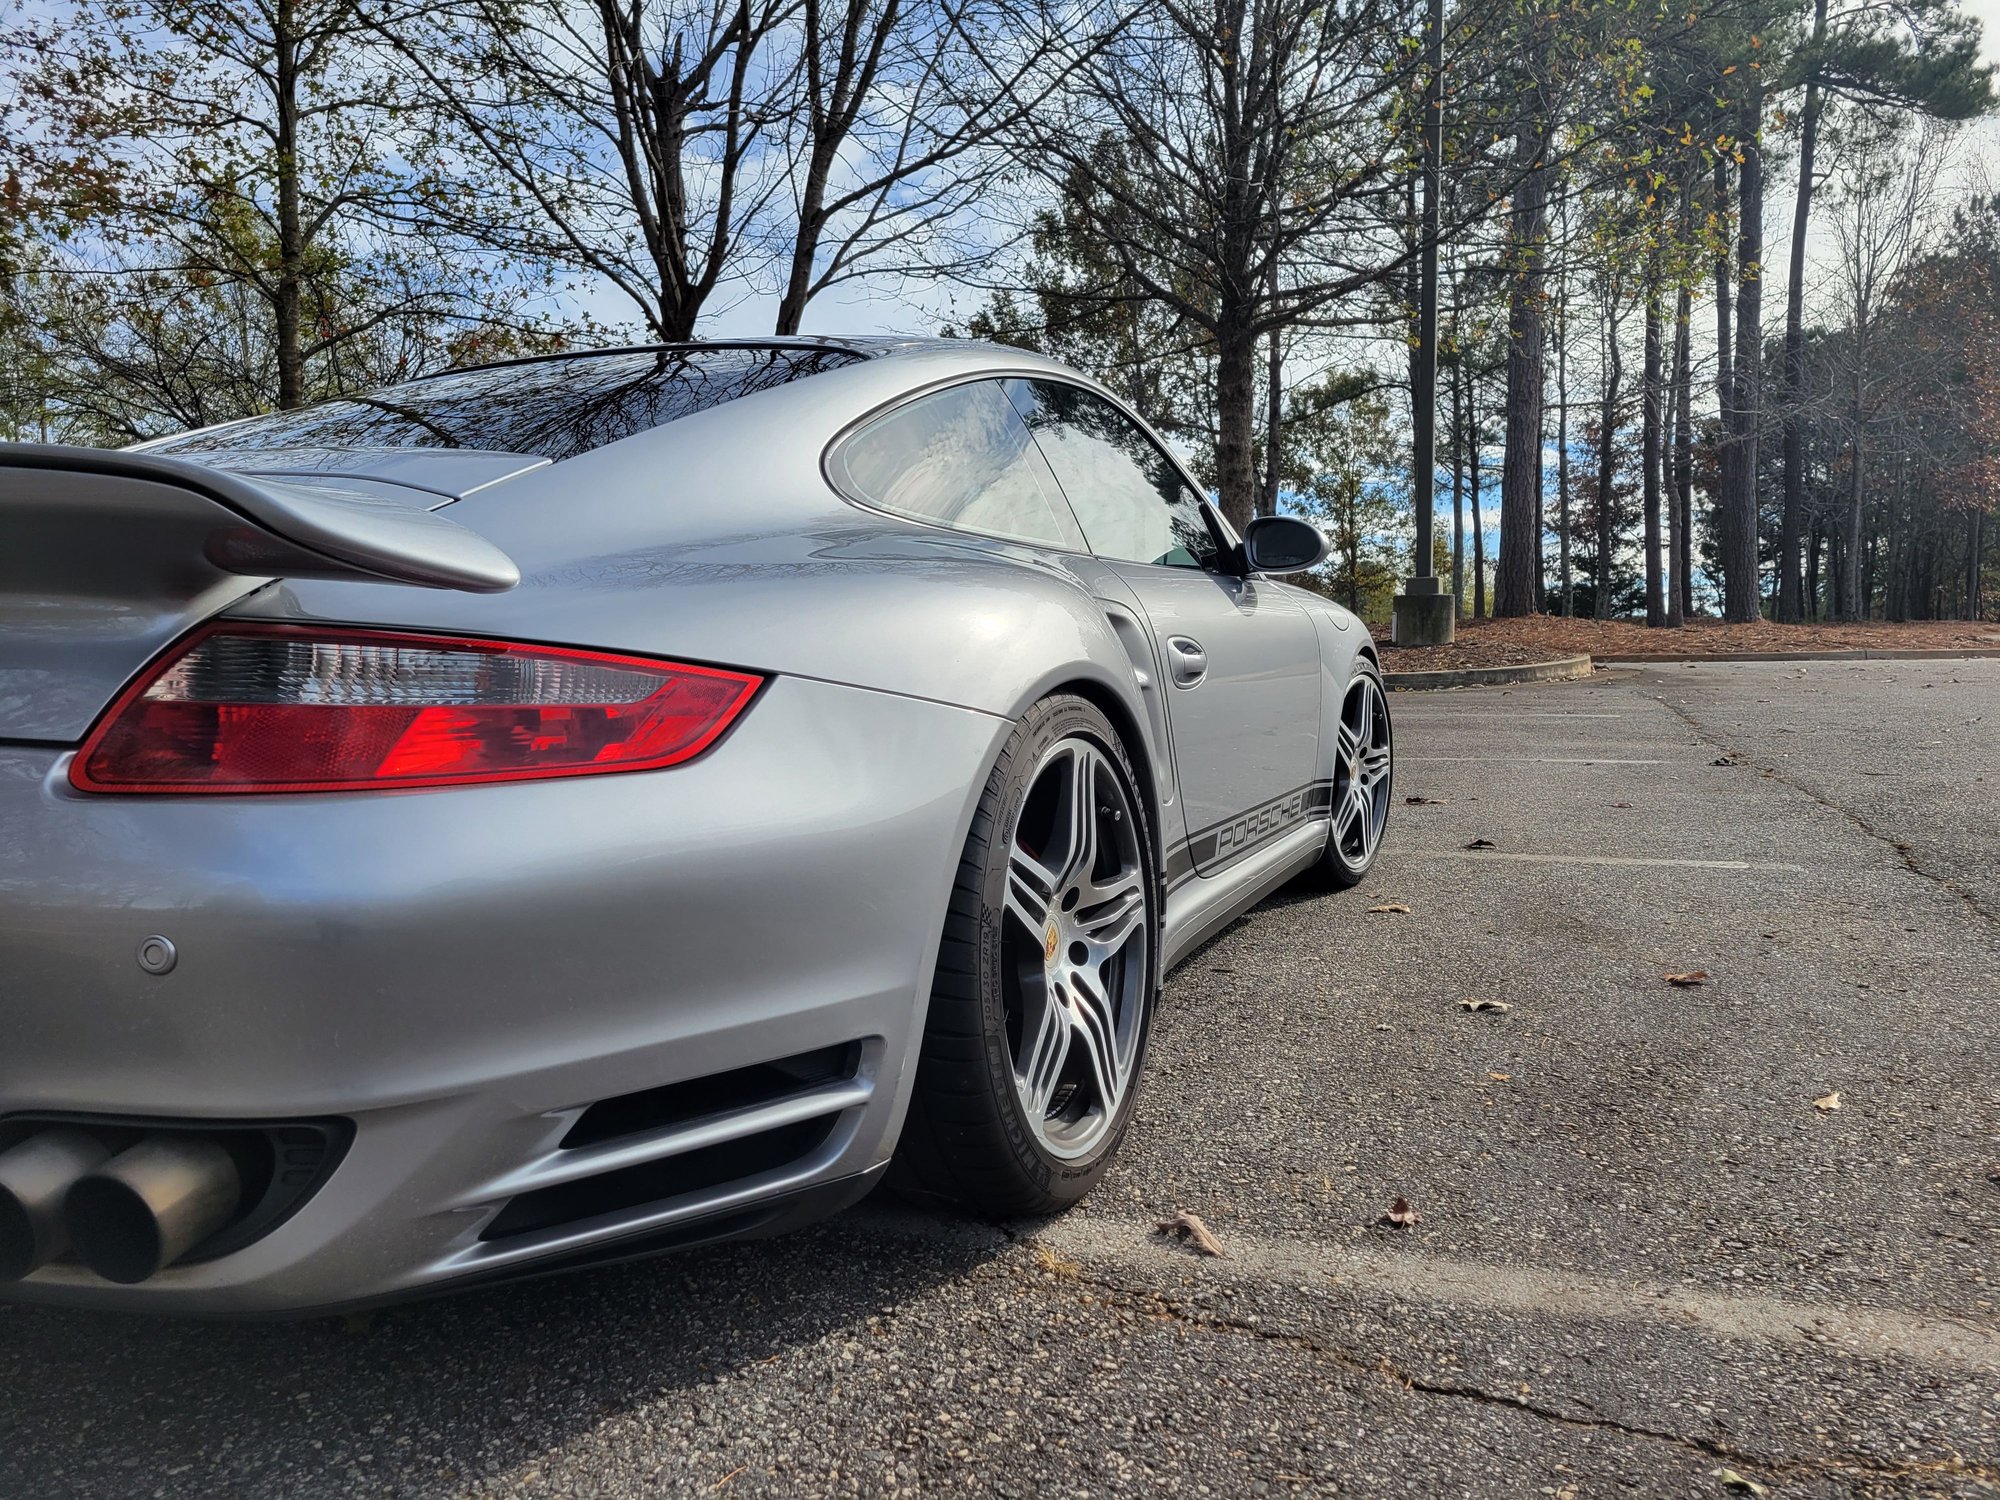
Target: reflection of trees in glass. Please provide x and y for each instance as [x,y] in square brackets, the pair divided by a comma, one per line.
[554,408]
[962,457]
[1193,545]
[1054,405]
[1126,492]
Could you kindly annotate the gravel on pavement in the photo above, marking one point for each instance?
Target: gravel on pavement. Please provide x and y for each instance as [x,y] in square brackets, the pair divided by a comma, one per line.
[1645,1260]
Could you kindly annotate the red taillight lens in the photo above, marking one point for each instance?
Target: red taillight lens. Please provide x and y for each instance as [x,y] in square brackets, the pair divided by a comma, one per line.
[257,708]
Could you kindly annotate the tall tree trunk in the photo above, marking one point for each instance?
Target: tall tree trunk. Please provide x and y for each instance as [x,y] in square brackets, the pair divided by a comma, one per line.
[1350,536]
[1814,547]
[1517,583]
[1274,411]
[1478,521]
[1566,579]
[805,238]
[288,289]
[1680,603]
[1790,604]
[1650,451]
[1459,487]
[1742,600]
[1606,469]
[1725,364]
[1975,525]
[837,79]
[1853,599]
[1236,412]
[1541,523]
[1896,576]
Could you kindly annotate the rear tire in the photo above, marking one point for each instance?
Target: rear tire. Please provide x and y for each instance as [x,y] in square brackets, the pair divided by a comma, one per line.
[1364,776]
[1046,978]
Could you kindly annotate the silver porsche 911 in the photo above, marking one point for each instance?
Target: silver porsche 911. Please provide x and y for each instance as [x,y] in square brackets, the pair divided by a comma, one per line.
[549,813]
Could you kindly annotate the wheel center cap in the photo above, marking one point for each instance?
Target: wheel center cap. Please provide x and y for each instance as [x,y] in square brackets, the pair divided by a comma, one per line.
[1051,940]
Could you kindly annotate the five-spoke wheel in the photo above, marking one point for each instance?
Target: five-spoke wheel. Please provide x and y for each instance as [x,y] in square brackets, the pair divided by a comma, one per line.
[1050,958]
[1363,772]
[1075,946]
[1046,976]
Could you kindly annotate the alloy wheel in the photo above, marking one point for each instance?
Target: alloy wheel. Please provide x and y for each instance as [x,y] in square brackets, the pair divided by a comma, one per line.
[1076,947]
[1361,772]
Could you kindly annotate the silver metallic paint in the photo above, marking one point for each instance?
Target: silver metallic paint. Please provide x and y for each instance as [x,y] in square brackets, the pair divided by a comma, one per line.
[460,971]
[107,557]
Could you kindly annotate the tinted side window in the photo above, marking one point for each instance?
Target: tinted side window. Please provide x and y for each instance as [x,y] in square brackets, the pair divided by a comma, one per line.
[1126,494]
[964,458]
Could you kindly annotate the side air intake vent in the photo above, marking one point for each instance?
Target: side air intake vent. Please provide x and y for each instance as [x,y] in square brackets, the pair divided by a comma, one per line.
[699,1146]
[654,1181]
[740,1088]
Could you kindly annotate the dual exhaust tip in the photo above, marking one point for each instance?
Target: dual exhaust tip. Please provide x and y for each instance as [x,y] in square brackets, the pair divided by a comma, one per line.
[126,1217]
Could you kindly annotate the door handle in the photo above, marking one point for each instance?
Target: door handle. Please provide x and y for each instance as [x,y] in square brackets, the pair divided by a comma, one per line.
[1186,661]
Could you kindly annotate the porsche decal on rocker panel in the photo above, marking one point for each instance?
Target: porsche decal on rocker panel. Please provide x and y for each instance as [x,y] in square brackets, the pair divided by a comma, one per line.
[1250,830]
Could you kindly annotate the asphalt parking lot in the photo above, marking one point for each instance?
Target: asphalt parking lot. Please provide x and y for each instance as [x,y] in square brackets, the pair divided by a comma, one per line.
[1647,1260]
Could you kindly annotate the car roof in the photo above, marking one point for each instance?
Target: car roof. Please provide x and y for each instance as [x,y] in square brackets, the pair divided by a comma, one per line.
[864,346]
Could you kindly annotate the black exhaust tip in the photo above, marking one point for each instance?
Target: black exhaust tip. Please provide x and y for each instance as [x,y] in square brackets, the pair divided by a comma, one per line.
[143,1210]
[35,1176]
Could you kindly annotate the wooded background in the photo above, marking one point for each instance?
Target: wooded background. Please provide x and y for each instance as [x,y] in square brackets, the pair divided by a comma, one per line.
[209,210]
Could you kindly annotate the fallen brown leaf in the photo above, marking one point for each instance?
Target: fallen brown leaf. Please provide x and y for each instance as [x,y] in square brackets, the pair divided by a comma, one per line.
[1497,1006]
[1424,801]
[1401,1214]
[1501,1077]
[1687,981]
[1482,844]
[1731,1480]
[1055,1264]
[1189,1227]
[1386,907]
[1826,1104]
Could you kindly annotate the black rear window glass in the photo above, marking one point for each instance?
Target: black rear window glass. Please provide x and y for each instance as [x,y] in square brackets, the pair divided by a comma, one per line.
[554,408]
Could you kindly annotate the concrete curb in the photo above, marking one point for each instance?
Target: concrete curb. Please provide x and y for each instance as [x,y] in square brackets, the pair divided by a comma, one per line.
[1655,658]
[1561,670]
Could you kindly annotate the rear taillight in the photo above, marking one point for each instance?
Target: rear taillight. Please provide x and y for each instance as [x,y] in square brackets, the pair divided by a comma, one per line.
[274,708]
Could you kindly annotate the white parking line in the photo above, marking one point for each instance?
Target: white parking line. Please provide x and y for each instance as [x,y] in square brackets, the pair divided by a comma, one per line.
[1483,713]
[1605,859]
[1130,1246]
[1536,760]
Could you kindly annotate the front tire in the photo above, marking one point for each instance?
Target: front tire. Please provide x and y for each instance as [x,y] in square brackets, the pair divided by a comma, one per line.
[1046,978]
[1363,779]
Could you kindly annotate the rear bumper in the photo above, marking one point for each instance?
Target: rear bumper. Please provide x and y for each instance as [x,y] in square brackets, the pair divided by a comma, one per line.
[460,973]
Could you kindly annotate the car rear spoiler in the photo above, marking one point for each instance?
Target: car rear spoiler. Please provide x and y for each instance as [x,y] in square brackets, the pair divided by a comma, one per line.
[319,527]
[107,557]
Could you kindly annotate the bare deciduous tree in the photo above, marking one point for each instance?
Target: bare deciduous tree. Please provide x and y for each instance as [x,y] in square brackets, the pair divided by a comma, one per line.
[630,140]
[1888,205]
[892,130]
[1236,159]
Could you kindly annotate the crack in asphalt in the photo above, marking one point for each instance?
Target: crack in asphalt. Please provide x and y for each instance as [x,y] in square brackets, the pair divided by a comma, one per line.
[1847,1464]
[1904,851]
[1151,1300]
[1932,1341]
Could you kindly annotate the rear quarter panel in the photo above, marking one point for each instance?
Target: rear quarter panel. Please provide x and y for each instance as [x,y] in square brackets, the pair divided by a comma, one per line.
[717,539]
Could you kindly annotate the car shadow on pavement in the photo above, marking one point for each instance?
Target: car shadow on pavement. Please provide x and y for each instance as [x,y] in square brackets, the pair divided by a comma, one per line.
[443,1393]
